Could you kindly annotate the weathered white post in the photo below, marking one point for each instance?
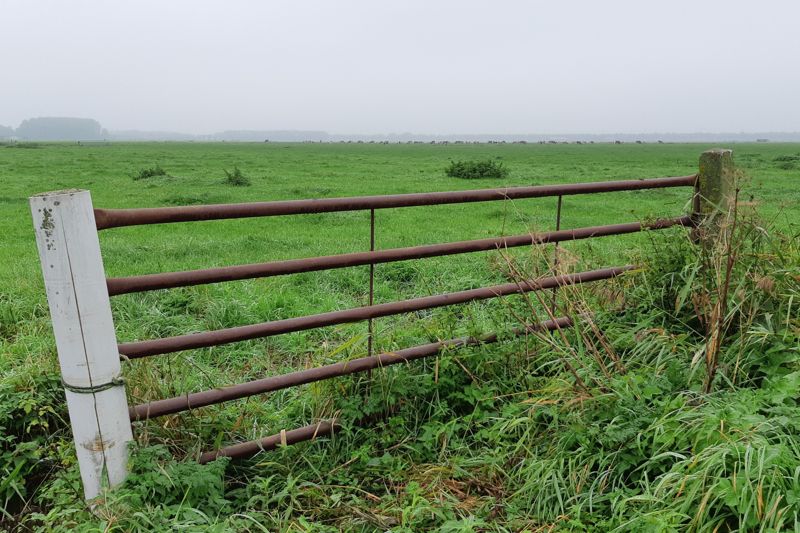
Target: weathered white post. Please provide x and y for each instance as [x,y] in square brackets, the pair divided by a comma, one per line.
[80,311]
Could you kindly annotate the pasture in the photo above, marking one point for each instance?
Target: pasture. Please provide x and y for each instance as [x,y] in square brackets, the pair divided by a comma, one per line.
[486,438]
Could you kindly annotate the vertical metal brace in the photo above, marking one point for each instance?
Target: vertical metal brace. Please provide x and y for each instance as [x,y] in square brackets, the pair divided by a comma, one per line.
[555,254]
[370,324]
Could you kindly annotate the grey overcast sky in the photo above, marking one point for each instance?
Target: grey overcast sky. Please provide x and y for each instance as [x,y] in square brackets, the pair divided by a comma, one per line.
[405,66]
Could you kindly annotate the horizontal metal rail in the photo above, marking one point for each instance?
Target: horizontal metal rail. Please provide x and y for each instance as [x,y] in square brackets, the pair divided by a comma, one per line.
[293,436]
[149,282]
[178,343]
[324,428]
[114,218]
[196,400]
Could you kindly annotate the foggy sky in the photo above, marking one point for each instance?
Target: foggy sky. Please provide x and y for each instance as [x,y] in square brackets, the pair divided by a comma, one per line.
[405,66]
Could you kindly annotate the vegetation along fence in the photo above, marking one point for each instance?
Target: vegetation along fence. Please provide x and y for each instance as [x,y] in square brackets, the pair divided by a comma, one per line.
[78,293]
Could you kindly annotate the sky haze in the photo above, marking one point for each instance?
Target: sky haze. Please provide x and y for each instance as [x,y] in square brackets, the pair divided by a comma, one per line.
[412,66]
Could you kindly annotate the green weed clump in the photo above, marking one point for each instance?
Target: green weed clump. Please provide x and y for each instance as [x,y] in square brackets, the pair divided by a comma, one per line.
[471,170]
[32,416]
[151,172]
[787,162]
[236,178]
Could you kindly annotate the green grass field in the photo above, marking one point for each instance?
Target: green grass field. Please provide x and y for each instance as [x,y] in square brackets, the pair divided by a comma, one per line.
[456,451]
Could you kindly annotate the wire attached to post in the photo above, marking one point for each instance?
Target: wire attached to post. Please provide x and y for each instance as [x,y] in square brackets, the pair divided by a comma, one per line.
[116,382]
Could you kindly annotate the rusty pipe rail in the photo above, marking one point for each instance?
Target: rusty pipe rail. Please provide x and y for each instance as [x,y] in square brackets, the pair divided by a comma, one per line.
[293,436]
[149,282]
[114,218]
[205,398]
[134,350]
[328,427]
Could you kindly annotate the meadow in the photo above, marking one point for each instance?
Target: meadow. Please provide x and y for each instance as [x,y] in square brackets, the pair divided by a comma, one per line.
[488,438]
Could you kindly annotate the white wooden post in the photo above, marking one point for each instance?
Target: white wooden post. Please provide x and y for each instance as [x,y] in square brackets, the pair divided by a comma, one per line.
[80,311]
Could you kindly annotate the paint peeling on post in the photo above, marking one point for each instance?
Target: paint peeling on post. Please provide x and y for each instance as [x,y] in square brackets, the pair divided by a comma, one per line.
[80,311]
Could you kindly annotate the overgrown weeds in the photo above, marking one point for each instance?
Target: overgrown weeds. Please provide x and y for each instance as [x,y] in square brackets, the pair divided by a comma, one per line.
[471,170]
[236,178]
[150,172]
[671,405]
[30,415]
[788,162]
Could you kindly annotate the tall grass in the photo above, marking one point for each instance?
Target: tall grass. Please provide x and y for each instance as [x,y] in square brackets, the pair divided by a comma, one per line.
[671,405]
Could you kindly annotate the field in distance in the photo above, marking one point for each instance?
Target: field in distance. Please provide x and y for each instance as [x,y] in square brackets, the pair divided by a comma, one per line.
[195,174]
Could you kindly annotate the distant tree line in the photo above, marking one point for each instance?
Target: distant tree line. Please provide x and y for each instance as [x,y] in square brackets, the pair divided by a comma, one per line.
[56,129]
[87,129]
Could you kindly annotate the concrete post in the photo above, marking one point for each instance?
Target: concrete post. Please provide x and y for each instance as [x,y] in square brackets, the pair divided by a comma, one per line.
[715,190]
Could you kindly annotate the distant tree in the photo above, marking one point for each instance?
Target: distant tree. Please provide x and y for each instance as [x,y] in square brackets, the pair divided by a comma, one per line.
[61,129]
[6,132]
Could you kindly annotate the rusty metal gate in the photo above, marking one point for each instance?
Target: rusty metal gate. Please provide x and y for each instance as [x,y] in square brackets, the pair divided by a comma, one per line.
[67,221]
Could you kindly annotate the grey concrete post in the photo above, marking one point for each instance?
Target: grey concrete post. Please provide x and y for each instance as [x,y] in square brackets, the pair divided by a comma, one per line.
[715,191]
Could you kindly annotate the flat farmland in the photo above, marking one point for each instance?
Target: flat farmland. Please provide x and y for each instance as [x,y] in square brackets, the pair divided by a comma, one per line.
[195,173]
